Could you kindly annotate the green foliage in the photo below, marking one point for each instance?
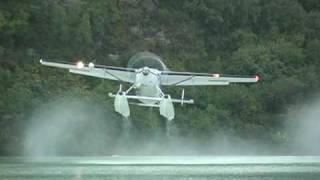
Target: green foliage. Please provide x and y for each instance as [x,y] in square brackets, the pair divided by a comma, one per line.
[279,40]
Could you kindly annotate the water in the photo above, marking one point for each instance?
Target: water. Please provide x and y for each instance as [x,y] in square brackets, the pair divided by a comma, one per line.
[161,167]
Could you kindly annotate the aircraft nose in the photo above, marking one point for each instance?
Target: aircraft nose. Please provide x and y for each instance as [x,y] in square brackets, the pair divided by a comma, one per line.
[145,71]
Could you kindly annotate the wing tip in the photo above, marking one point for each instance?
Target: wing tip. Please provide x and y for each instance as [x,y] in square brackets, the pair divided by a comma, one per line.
[257,78]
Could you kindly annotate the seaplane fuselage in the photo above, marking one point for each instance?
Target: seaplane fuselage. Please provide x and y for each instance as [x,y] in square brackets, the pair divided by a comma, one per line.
[147,84]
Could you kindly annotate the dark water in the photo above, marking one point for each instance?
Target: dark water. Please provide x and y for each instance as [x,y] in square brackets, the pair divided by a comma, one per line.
[161,167]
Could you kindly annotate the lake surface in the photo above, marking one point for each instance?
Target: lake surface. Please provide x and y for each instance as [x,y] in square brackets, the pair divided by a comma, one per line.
[161,167]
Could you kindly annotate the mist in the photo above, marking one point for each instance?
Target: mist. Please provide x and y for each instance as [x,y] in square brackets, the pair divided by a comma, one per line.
[303,128]
[71,126]
[77,126]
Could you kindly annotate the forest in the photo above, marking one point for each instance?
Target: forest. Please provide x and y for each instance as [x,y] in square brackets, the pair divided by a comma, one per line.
[277,39]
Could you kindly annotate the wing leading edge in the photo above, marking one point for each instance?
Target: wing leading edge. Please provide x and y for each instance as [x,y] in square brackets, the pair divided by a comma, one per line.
[100,71]
[171,78]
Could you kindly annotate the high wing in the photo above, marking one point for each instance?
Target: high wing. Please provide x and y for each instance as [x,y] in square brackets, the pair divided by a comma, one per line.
[171,78]
[100,71]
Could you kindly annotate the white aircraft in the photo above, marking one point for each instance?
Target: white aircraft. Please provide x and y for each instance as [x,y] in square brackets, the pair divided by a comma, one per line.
[147,73]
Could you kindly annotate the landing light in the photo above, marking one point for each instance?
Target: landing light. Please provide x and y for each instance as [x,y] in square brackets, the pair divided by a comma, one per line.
[80,65]
[216,75]
[91,65]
